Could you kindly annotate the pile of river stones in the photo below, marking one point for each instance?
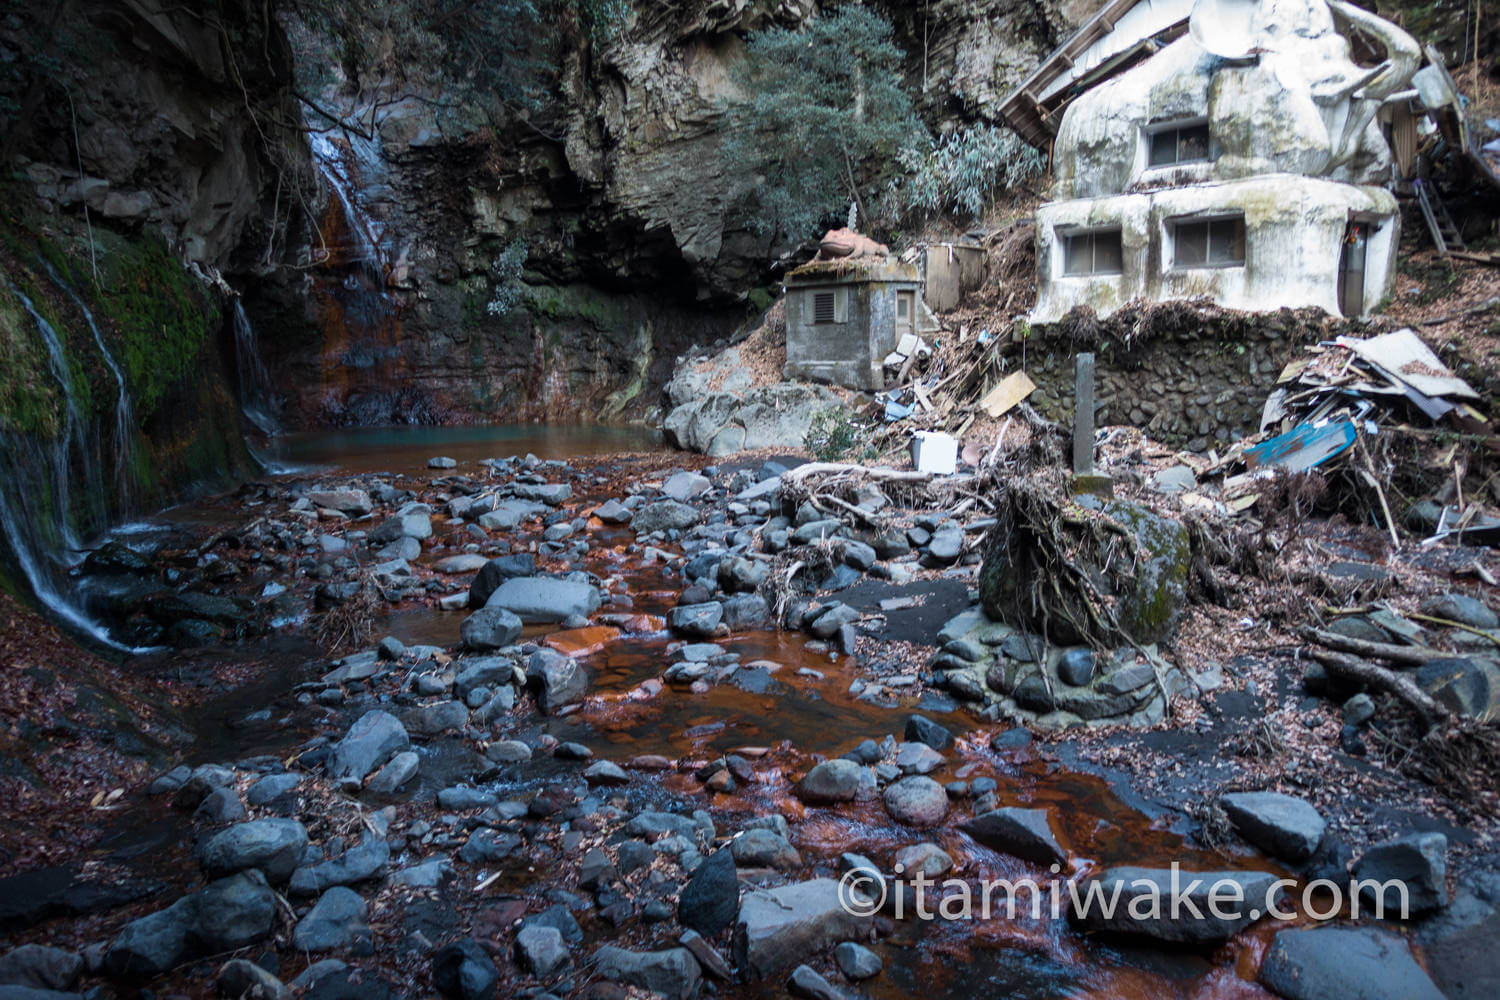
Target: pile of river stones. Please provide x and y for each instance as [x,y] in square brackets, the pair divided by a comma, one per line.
[363,862]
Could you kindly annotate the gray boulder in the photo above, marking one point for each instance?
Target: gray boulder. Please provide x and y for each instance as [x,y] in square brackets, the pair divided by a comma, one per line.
[40,967]
[365,860]
[495,572]
[335,921]
[683,486]
[434,718]
[696,620]
[764,849]
[273,845]
[1190,921]
[510,513]
[856,961]
[664,515]
[370,742]
[671,973]
[232,913]
[836,780]
[398,771]
[550,494]
[1461,608]
[1344,963]
[1022,833]
[242,979]
[1281,825]
[490,628]
[153,944]
[1417,861]
[540,951]
[559,679]
[779,928]
[545,599]
[709,901]
[463,970]
[349,501]
[916,801]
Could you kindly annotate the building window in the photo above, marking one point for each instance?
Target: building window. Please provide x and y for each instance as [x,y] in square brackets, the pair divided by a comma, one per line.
[1096,252]
[1181,143]
[1209,242]
[830,306]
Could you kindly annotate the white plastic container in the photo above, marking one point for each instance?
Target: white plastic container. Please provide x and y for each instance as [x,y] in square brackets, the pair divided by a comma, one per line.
[934,452]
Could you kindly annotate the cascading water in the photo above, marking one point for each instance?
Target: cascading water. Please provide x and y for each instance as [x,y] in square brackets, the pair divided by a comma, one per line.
[37,500]
[359,315]
[124,416]
[257,397]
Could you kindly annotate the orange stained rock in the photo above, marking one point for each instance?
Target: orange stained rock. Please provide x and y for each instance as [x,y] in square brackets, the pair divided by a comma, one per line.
[582,641]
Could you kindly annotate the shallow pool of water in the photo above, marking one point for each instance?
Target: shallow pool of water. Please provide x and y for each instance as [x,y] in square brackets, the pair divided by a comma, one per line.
[405,450]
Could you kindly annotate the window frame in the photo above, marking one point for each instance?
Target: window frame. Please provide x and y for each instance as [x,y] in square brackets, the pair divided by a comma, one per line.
[1236,219]
[1092,235]
[1178,126]
[839,301]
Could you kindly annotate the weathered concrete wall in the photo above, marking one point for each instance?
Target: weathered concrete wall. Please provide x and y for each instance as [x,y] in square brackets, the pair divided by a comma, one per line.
[849,353]
[1294,232]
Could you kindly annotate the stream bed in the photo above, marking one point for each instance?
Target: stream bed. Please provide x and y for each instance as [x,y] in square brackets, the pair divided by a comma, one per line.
[783,704]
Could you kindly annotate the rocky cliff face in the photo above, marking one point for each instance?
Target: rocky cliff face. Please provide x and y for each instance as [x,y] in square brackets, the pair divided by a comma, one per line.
[617,192]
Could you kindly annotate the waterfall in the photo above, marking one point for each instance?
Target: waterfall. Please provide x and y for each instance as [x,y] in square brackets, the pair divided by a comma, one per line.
[364,230]
[359,314]
[41,535]
[124,415]
[257,397]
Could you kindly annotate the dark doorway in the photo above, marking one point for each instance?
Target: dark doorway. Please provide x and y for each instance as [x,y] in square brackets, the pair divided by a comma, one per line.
[1352,269]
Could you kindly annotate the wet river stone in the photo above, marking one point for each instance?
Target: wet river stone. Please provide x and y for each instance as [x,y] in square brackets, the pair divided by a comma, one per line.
[711,898]
[1281,825]
[1333,963]
[370,742]
[1418,860]
[545,599]
[917,801]
[833,781]
[664,515]
[781,927]
[1023,833]
[273,845]
[671,973]
[1146,895]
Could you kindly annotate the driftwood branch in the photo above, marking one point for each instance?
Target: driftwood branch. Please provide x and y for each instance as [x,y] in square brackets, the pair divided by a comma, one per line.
[1350,668]
[1410,655]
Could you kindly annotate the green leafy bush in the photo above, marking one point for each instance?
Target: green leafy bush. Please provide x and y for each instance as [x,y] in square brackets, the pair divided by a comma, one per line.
[825,113]
[965,171]
[506,272]
[835,433]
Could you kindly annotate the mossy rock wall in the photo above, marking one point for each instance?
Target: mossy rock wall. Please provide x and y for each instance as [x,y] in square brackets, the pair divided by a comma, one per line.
[164,330]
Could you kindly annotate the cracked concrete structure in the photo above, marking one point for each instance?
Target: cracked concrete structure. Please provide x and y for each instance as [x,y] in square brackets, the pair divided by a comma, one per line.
[1242,160]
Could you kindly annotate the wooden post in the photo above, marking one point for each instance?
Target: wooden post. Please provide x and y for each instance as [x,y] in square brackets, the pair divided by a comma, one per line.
[1084,479]
[1083,416]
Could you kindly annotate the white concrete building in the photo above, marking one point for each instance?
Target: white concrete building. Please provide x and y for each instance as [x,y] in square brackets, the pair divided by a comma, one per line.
[1239,157]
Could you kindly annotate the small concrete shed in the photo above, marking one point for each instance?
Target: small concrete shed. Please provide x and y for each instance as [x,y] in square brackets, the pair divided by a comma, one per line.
[844,316]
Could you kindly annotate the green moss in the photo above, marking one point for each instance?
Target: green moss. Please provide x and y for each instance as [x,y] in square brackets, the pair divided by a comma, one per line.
[164,322]
[30,402]
[761,299]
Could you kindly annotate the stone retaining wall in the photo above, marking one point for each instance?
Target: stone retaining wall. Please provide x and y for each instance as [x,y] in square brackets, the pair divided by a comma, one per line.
[1191,375]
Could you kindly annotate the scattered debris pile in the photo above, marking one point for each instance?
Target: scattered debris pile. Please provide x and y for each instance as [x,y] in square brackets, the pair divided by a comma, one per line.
[1331,404]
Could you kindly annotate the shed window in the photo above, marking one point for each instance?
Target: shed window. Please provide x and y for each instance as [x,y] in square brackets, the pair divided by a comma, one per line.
[830,306]
[1096,252]
[1209,242]
[1181,143]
